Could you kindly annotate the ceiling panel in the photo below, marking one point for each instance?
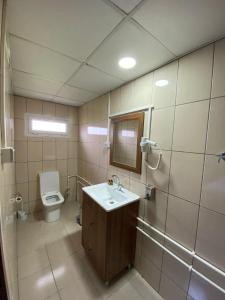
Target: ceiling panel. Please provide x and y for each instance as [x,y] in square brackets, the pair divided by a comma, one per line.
[34,83]
[73,93]
[67,101]
[130,40]
[71,27]
[126,5]
[91,79]
[31,58]
[32,94]
[183,25]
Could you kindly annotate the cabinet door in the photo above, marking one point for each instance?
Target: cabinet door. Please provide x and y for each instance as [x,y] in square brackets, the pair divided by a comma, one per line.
[88,217]
[94,233]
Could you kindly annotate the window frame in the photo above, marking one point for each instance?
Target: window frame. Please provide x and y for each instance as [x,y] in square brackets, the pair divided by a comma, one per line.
[36,133]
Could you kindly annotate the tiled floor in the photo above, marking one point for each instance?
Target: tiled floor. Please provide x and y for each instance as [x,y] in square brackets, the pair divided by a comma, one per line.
[52,265]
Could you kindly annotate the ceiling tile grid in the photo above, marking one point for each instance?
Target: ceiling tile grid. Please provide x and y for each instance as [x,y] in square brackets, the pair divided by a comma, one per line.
[69,51]
[95,80]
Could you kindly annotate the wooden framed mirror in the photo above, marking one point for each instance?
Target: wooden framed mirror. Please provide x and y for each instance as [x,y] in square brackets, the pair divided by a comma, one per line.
[126,133]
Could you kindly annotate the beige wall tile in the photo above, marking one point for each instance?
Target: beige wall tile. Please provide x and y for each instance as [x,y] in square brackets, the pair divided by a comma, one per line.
[194,76]
[115,101]
[215,139]
[143,91]
[213,186]
[209,273]
[34,168]
[190,127]
[34,191]
[218,87]
[72,166]
[22,188]
[186,175]
[150,273]
[73,132]
[82,114]
[156,210]
[62,166]
[127,97]
[72,150]
[35,206]
[181,221]
[162,127]
[137,188]
[199,286]
[176,271]
[19,130]
[73,115]
[160,177]
[34,106]
[63,184]
[34,151]
[61,111]
[48,108]
[210,243]
[49,152]
[21,173]
[21,151]
[165,96]
[152,252]
[169,290]
[49,165]
[61,149]
[20,107]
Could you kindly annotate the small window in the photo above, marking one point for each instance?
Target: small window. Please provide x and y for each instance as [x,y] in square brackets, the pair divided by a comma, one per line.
[46,126]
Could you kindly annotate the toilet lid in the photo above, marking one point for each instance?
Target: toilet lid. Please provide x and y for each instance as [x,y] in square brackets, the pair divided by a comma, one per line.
[49,182]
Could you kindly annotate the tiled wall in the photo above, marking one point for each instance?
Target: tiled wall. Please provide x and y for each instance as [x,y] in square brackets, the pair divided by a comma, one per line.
[7,190]
[188,122]
[35,154]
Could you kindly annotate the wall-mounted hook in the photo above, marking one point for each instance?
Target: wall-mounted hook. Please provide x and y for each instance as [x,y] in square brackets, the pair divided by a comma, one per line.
[221,156]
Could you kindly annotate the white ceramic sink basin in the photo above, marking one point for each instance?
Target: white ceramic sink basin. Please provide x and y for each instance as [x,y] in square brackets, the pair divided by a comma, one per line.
[109,197]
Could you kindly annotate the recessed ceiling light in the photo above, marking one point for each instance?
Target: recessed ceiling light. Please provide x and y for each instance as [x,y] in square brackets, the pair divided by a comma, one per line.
[161,83]
[127,62]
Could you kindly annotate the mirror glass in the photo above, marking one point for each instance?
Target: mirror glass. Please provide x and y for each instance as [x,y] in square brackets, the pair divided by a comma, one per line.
[127,131]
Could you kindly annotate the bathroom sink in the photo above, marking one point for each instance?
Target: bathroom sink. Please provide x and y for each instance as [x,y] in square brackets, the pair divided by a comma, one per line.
[109,197]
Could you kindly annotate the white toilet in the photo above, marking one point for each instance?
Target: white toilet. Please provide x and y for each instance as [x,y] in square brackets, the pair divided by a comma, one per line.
[50,195]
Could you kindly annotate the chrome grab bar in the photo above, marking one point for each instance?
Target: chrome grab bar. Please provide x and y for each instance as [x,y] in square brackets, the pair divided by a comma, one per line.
[80,182]
[192,253]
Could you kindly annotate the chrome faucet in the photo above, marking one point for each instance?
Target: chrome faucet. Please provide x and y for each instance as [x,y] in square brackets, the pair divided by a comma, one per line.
[116,180]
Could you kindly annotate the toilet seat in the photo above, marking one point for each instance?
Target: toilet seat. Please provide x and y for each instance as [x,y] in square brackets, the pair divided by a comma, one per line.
[52,198]
[50,195]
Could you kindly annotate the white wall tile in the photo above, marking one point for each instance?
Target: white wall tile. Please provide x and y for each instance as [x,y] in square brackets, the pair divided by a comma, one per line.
[213,186]
[194,76]
[210,243]
[162,127]
[165,95]
[218,86]
[215,138]
[190,127]
[181,223]
[186,175]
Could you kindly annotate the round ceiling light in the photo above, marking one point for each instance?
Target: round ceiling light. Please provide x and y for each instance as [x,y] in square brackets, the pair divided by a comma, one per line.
[161,83]
[127,62]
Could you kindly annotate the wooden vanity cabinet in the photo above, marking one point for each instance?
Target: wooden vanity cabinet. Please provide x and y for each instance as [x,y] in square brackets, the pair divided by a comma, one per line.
[109,238]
